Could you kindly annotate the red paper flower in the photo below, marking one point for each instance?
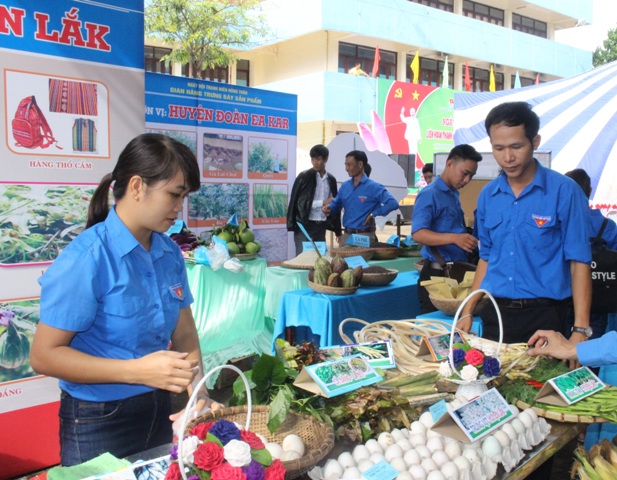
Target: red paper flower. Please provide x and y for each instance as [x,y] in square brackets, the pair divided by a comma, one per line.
[252,439]
[226,472]
[201,430]
[474,357]
[173,473]
[208,456]
[276,471]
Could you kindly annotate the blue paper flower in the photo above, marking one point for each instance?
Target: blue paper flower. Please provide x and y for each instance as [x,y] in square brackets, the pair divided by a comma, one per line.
[491,366]
[458,356]
[225,431]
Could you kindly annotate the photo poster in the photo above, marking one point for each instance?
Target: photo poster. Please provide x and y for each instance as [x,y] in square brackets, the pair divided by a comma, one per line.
[245,142]
[419,120]
[78,68]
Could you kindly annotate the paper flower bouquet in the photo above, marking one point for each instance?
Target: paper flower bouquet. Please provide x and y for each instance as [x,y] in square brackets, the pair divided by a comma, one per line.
[222,451]
[473,363]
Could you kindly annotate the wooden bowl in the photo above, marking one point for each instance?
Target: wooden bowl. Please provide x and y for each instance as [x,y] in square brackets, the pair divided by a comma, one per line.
[331,290]
[378,279]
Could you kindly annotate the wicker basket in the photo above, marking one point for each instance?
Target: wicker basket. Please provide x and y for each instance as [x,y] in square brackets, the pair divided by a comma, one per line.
[318,438]
[450,305]
[325,289]
[244,256]
[378,279]
[366,253]
[385,253]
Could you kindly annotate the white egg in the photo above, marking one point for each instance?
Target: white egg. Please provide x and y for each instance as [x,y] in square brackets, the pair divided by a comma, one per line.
[360,452]
[346,460]
[417,472]
[440,458]
[434,444]
[532,414]
[385,439]
[526,419]
[293,442]
[514,409]
[427,419]
[365,464]
[472,455]
[393,451]
[453,450]
[405,432]
[462,463]
[428,464]
[423,451]
[405,444]
[275,449]
[397,434]
[377,457]
[450,471]
[373,446]
[399,464]
[404,476]
[508,429]
[352,472]
[412,457]
[262,438]
[432,434]
[290,455]
[417,439]
[435,475]
[417,427]
[518,425]
[502,438]
[333,468]
[491,447]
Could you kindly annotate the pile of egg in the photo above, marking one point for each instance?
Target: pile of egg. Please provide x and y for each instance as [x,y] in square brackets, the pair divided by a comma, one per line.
[420,453]
[292,448]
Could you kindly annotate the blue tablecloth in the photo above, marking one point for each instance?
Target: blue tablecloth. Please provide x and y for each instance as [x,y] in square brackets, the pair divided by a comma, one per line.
[476,326]
[321,314]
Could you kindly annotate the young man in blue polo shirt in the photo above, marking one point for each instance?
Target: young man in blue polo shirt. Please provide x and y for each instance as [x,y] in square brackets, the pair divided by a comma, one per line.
[533,228]
[438,221]
[361,198]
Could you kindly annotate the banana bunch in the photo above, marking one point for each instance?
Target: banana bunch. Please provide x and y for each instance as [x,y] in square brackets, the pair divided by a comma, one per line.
[599,464]
[240,239]
[335,273]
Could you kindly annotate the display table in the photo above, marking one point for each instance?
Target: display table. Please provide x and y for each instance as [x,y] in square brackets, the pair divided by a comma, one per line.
[476,326]
[229,312]
[321,314]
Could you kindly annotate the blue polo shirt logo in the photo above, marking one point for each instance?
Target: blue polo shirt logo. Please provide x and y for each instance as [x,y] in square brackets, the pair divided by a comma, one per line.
[540,221]
[362,199]
[176,291]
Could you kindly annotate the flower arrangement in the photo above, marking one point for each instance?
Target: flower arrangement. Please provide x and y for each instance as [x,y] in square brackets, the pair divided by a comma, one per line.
[222,451]
[476,364]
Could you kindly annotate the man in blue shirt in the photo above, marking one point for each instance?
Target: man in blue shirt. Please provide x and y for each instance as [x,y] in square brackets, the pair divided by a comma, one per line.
[533,229]
[361,198]
[438,221]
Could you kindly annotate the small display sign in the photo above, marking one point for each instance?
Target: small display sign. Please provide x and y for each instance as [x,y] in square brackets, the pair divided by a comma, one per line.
[359,240]
[176,227]
[394,240]
[321,246]
[381,471]
[439,345]
[438,410]
[378,353]
[570,387]
[357,261]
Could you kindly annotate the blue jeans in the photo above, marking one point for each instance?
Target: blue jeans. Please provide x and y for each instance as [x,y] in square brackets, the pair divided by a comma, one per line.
[123,427]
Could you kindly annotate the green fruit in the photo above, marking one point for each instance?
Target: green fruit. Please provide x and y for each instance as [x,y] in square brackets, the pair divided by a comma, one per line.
[251,247]
[233,248]
[322,271]
[226,236]
[247,236]
[348,278]
[258,244]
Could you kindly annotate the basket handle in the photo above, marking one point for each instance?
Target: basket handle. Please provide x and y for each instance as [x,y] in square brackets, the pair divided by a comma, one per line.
[192,400]
[457,314]
[344,337]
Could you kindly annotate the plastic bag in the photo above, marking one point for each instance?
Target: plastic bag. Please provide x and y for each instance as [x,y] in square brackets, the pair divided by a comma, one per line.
[200,255]
[234,265]
[217,255]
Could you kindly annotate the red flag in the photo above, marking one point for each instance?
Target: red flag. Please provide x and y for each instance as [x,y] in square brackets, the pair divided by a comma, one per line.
[376,62]
[538,79]
[467,78]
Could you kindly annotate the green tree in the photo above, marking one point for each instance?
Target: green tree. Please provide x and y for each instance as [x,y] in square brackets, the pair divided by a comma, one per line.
[608,52]
[204,32]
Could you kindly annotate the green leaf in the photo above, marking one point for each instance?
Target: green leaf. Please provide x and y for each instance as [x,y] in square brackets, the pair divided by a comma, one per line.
[262,456]
[268,371]
[279,407]
[212,438]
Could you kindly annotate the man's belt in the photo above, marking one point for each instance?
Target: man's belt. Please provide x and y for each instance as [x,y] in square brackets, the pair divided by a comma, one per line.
[360,230]
[527,302]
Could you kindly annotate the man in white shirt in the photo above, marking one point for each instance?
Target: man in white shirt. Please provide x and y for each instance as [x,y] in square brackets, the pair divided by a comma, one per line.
[313,189]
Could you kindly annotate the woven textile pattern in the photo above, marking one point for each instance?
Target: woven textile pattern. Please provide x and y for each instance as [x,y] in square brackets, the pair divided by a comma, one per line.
[84,135]
[72,97]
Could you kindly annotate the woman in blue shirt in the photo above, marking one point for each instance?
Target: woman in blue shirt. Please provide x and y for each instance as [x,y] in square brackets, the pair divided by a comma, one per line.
[116,326]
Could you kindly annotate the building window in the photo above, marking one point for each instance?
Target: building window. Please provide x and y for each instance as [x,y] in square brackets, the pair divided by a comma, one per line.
[216,74]
[431,71]
[242,73]
[479,79]
[483,12]
[153,57]
[350,55]
[529,25]
[525,82]
[446,5]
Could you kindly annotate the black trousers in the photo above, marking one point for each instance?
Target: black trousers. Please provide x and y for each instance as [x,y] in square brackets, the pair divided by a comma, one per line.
[317,231]
[426,306]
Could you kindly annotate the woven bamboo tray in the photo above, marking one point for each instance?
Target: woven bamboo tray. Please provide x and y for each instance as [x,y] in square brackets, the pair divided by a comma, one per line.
[325,289]
[560,417]
[406,252]
[385,253]
[244,256]
[378,279]
[450,305]
[366,253]
[318,437]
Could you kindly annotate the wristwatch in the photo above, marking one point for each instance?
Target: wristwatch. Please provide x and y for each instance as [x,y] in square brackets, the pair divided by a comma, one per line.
[587,331]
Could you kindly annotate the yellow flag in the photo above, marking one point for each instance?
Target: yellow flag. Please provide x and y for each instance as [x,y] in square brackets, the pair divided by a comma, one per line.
[415,68]
[491,81]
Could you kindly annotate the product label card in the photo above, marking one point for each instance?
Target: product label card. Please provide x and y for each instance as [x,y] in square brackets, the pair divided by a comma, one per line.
[394,240]
[321,246]
[176,227]
[570,387]
[378,353]
[381,471]
[438,410]
[408,241]
[359,240]
[358,261]
[439,345]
